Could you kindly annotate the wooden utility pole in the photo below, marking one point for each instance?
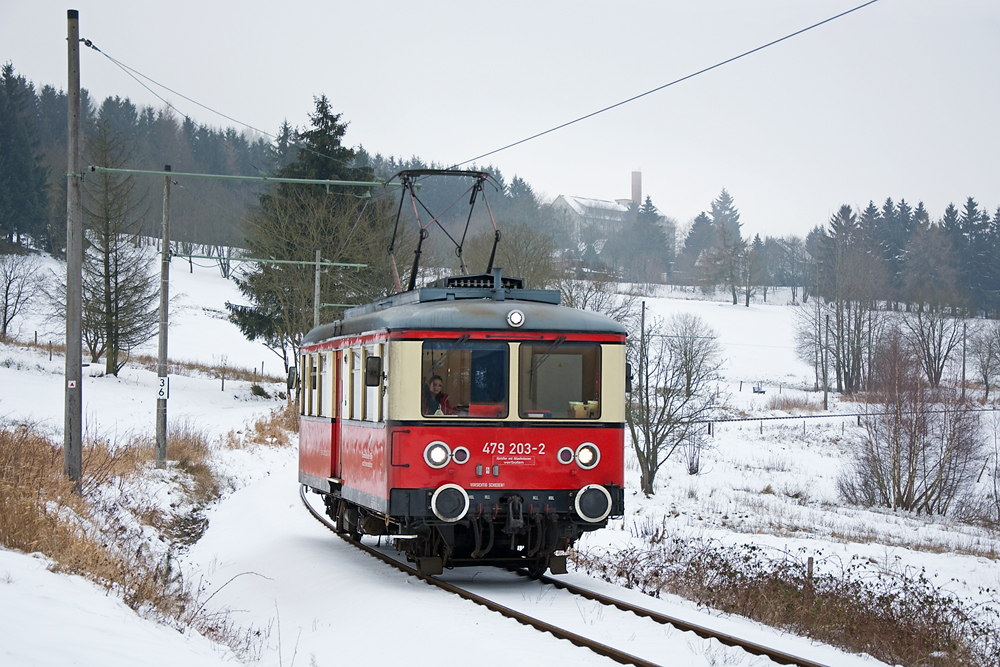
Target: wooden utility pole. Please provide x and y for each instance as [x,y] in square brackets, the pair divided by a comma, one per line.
[163,387]
[73,424]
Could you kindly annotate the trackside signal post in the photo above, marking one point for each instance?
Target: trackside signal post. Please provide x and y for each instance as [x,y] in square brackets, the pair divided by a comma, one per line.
[161,356]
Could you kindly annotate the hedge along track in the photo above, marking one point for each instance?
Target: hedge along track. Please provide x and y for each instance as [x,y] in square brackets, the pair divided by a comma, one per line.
[578,640]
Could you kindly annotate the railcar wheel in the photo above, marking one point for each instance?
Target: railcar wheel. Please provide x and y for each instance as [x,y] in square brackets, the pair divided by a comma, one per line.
[348,523]
[537,568]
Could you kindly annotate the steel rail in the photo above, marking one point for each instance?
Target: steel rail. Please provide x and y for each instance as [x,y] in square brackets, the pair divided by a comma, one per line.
[559,633]
[700,630]
[775,655]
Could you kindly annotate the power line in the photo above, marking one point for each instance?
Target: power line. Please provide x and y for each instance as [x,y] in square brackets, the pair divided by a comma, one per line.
[666,85]
[135,74]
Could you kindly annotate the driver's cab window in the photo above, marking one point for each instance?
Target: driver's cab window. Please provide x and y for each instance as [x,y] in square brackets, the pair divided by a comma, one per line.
[559,380]
[463,378]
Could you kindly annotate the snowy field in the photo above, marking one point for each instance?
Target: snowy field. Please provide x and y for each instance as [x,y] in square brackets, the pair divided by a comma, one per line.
[310,599]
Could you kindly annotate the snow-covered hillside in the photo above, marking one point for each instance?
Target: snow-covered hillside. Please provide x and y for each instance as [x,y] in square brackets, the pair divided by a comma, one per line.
[308,598]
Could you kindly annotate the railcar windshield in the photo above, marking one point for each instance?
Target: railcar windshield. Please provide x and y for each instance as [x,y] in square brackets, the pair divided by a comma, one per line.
[463,378]
[559,380]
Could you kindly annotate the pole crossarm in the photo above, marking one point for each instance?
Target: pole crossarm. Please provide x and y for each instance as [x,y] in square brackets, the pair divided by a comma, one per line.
[268,179]
[303,262]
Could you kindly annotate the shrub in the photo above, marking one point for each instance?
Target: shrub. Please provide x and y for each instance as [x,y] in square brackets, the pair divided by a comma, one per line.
[923,448]
[898,616]
[273,430]
[790,403]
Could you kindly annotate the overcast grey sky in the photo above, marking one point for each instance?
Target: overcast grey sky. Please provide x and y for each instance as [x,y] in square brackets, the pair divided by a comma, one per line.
[899,99]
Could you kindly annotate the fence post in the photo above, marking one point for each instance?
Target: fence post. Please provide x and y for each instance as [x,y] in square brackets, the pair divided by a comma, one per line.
[809,581]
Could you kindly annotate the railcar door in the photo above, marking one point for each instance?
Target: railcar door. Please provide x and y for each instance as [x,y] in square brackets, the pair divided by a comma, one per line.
[362,445]
[318,423]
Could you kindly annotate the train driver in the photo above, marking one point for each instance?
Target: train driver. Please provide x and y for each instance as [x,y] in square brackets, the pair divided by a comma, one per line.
[435,401]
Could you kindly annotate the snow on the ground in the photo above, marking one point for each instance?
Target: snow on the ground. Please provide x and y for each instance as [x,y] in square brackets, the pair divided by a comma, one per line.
[308,598]
[55,619]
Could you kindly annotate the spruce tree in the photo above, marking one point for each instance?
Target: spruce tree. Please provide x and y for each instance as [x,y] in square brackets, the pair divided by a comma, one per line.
[727,253]
[292,221]
[23,179]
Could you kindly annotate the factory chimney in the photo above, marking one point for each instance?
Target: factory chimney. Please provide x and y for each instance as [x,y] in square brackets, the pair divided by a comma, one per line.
[637,187]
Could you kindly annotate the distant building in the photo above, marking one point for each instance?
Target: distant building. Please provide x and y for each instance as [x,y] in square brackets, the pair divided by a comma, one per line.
[597,216]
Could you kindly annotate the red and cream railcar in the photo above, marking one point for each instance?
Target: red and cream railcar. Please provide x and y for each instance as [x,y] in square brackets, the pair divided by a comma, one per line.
[525,454]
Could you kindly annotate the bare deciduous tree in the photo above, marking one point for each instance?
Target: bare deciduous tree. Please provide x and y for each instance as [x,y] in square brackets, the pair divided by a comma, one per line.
[923,448]
[119,291]
[984,346]
[18,286]
[853,280]
[935,336]
[521,252]
[677,363]
[599,293]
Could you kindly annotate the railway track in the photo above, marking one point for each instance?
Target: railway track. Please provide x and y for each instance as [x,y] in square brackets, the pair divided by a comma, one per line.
[600,648]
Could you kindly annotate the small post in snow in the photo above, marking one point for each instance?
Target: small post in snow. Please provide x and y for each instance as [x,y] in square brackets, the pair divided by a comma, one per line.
[161,355]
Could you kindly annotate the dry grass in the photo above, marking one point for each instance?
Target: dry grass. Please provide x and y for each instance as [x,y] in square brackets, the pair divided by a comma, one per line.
[190,368]
[272,431]
[35,498]
[99,533]
[45,346]
[897,616]
[189,448]
[790,403]
[149,363]
[41,513]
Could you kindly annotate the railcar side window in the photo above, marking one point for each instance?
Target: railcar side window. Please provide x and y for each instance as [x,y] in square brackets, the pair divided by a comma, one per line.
[462,378]
[319,364]
[373,393]
[357,384]
[559,380]
[303,387]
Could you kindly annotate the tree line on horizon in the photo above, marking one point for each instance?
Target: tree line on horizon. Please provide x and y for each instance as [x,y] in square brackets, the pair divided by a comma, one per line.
[904,259]
[910,258]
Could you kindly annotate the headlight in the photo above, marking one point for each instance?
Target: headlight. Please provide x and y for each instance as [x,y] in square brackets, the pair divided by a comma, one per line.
[587,455]
[437,454]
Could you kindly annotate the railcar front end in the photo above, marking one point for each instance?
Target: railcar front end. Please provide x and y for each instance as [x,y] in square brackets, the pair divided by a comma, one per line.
[518,454]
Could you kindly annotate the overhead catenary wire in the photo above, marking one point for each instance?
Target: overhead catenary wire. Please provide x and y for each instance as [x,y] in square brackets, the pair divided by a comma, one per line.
[666,85]
[135,74]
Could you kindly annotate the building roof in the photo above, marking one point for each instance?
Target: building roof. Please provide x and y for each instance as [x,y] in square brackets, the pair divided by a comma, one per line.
[594,208]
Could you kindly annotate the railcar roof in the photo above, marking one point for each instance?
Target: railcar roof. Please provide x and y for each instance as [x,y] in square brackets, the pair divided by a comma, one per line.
[457,309]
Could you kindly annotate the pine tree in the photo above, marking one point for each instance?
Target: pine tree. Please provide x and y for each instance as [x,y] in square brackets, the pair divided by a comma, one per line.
[696,243]
[23,179]
[294,220]
[728,251]
[522,204]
